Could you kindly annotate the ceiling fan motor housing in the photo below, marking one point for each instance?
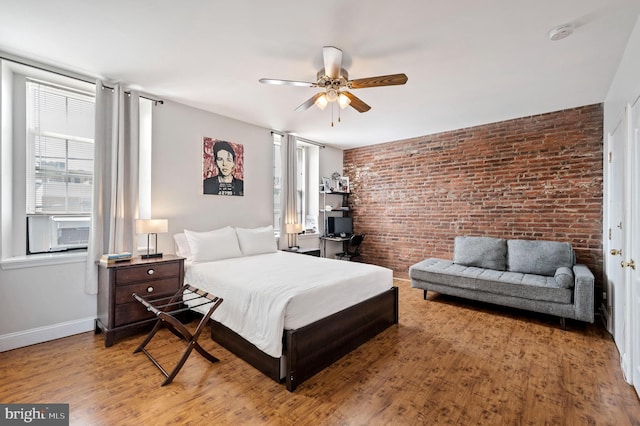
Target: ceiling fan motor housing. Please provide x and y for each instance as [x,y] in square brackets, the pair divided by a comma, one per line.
[335,83]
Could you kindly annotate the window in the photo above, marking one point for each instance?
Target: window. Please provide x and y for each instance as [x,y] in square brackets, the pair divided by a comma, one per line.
[277,182]
[306,181]
[59,170]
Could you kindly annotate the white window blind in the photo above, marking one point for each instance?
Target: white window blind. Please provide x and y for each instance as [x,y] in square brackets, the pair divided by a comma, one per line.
[60,131]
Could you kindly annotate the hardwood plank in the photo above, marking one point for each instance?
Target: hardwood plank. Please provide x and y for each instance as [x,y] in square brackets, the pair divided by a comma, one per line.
[449,361]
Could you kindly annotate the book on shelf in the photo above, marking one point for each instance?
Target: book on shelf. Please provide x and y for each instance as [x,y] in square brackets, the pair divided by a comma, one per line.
[115,257]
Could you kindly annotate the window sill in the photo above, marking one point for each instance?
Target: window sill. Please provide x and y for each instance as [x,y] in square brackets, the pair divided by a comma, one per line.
[35,260]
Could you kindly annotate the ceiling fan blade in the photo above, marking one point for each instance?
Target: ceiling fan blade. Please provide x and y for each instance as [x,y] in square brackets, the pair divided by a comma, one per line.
[332,61]
[383,80]
[287,82]
[356,102]
[309,102]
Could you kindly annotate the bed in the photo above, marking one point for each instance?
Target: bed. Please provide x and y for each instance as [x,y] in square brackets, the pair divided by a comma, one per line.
[286,314]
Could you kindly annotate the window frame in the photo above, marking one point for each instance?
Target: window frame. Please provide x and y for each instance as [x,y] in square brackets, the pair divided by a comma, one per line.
[13,142]
[307,201]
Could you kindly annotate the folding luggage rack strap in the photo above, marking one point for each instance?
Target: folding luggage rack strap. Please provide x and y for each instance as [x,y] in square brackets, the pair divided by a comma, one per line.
[166,314]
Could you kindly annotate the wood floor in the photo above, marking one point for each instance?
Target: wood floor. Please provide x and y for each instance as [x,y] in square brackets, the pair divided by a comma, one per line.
[449,361]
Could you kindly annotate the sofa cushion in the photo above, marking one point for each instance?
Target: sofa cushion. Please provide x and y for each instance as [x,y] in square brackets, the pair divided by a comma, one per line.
[483,252]
[538,257]
[516,284]
[564,277]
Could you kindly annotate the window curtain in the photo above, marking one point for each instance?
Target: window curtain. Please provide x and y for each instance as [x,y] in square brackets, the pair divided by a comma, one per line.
[115,181]
[289,194]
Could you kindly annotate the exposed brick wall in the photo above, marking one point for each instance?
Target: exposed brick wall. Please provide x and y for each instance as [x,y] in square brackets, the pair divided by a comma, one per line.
[537,177]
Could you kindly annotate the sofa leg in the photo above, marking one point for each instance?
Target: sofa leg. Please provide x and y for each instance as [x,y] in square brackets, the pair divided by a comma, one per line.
[425,295]
[562,323]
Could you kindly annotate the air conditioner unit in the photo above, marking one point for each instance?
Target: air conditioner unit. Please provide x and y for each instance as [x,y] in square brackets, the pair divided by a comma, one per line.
[57,233]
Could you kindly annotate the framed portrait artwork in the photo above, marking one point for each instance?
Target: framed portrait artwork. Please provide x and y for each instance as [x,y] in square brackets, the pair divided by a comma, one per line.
[326,184]
[222,167]
[343,184]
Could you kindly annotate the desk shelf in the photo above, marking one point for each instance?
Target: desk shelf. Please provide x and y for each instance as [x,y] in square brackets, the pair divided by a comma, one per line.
[343,210]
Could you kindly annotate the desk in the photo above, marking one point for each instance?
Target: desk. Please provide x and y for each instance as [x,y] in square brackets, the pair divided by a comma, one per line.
[324,240]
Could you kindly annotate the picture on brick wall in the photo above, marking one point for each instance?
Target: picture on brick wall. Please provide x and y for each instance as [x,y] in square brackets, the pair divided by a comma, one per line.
[222,167]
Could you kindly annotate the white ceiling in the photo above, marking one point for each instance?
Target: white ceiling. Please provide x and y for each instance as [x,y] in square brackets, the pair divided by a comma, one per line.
[469,62]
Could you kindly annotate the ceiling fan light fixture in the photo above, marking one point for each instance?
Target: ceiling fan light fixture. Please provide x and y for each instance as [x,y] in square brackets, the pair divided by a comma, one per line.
[322,102]
[332,95]
[343,100]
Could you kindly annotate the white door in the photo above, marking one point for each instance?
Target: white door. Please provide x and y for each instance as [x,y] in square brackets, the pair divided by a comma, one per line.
[616,289]
[634,241]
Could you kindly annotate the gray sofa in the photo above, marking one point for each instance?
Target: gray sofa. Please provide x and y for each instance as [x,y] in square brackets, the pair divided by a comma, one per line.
[539,276]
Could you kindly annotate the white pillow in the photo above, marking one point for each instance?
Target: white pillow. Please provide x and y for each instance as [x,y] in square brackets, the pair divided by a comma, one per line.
[182,246]
[213,245]
[257,240]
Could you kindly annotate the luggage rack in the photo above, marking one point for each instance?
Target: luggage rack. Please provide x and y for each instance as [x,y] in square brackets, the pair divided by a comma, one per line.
[166,315]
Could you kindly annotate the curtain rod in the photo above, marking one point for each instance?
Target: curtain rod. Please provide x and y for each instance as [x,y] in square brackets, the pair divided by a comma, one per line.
[301,139]
[156,101]
[64,73]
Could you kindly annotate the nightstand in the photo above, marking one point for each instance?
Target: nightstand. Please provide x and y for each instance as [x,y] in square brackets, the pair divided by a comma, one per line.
[307,251]
[119,314]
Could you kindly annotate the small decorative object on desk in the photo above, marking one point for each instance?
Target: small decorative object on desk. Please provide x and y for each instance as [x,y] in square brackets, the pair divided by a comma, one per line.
[343,184]
[115,257]
[326,183]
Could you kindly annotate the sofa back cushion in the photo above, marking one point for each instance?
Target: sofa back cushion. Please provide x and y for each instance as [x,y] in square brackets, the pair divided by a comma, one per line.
[538,257]
[483,252]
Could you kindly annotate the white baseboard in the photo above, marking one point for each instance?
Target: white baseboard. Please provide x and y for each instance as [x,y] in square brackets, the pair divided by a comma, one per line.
[44,334]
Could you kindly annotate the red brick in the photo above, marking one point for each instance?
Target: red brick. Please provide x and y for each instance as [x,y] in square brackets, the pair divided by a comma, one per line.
[537,177]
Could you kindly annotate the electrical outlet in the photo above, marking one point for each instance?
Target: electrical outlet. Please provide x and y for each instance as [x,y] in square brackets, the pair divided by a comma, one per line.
[604,295]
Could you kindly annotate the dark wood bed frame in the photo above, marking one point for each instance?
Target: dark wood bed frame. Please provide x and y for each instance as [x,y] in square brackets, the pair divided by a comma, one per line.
[313,347]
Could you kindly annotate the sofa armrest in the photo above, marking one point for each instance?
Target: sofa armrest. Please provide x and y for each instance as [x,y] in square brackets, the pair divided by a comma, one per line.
[583,293]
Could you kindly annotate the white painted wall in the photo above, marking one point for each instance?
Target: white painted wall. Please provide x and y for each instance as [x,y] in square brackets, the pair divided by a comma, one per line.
[625,86]
[177,173]
[43,303]
[47,302]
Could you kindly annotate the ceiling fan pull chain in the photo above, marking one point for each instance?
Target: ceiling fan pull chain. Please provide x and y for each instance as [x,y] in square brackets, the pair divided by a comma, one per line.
[331,114]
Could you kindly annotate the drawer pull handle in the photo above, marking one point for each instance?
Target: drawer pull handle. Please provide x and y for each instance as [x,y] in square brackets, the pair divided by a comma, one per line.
[150,271]
[149,289]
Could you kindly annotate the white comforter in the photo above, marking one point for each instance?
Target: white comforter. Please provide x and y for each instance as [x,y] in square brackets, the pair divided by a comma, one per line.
[267,293]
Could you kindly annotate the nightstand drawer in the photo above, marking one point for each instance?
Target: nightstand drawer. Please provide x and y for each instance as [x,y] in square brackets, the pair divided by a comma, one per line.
[167,285]
[131,312]
[147,272]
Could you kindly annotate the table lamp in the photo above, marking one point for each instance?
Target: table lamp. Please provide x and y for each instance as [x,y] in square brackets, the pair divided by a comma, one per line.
[292,230]
[155,227]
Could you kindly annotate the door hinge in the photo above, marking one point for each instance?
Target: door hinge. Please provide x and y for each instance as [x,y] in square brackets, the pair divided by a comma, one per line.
[609,233]
[610,156]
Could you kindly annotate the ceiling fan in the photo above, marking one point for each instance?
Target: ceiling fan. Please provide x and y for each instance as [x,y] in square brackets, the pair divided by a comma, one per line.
[334,80]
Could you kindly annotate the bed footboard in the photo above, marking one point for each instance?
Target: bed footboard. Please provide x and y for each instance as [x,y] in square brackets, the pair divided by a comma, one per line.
[245,350]
[311,348]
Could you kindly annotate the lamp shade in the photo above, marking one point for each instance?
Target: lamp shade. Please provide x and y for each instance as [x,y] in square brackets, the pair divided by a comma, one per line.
[343,100]
[293,228]
[152,226]
[322,102]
